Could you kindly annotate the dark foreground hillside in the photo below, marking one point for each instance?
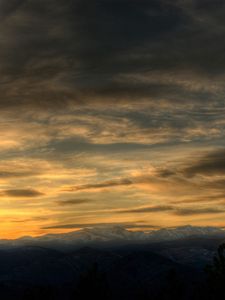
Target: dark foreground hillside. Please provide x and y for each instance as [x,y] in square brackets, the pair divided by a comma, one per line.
[187,269]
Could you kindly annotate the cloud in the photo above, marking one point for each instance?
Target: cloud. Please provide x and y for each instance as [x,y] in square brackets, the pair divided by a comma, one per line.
[198,211]
[213,163]
[205,198]
[9,8]
[209,164]
[71,202]
[14,174]
[49,68]
[113,97]
[104,184]
[32,219]
[179,211]
[30,193]
[151,209]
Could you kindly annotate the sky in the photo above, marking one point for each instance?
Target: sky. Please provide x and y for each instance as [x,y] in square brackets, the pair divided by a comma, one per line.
[111,112]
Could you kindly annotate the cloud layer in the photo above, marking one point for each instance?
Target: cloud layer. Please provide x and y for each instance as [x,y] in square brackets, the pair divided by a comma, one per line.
[111,110]
[53,53]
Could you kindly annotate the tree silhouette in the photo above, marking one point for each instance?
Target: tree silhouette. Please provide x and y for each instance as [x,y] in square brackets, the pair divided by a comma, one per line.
[215,282]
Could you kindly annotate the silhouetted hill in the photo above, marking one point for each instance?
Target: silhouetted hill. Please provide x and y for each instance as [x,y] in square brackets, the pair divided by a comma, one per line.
[143,269]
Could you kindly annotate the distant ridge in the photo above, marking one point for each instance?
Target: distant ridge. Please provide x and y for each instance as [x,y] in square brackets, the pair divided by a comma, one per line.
[113,234]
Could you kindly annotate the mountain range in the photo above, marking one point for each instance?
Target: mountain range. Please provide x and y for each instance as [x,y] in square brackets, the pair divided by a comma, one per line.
[115,234]
[129,264]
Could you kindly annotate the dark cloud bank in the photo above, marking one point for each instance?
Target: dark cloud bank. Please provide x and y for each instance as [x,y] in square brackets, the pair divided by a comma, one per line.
[212,163]
[53,52]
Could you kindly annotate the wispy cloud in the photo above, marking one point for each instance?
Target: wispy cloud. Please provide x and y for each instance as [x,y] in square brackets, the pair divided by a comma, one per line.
[150,209]
[198,211]
[105,184]
[71,202]
[29,193]
[180,211]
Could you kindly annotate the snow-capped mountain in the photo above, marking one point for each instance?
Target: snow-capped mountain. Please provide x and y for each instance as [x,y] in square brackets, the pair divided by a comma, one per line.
[96,234]
[185,232]
[113,234]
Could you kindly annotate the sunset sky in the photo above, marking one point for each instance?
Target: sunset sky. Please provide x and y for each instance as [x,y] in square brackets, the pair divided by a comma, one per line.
[111,112]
